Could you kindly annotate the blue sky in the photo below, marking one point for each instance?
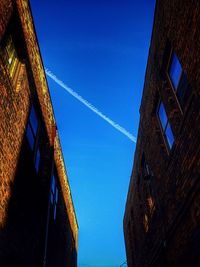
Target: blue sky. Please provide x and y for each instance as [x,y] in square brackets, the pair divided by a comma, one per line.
[99,49]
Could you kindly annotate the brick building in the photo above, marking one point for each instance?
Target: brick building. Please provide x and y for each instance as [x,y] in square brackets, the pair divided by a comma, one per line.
[162,215]
[38,225]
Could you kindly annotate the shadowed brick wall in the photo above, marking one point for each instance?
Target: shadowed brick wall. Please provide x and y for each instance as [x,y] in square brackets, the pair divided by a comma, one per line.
[169,234]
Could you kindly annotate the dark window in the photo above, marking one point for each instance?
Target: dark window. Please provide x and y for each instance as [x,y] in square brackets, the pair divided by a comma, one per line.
[164,121]
[37,160]
[179,80]
[54,196]
[31,134]
[162,115]
[145,170]
[34,120]
[32,127]
[169,135]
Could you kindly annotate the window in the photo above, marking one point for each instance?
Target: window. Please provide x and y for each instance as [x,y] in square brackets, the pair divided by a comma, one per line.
[32,128]
[37,160]
[11,59]
[179,80]
[164,121]
[145,170]
[31,134]
[175,70]
[54,196]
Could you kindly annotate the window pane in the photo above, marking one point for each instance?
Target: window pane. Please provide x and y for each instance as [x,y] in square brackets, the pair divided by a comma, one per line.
[30,137]
[53,185]
[10,56]
[37,161]
[162,115]
[175,70]
[51,198]
[34,120]
[56,195]
[169,135]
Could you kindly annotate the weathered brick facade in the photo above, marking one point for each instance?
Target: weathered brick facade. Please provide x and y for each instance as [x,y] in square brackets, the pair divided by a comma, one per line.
[162,215]
[34,230]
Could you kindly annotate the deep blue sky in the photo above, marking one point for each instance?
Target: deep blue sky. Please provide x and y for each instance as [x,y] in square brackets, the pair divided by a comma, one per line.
[99,48]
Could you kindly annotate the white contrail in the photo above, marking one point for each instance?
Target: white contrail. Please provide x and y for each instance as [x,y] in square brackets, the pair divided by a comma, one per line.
[90,106]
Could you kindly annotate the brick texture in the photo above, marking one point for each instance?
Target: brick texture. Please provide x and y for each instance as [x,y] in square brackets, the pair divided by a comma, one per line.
[171,234]
[24,191]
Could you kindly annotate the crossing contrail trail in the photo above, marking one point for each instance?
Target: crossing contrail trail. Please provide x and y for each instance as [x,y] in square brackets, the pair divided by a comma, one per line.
[90,106]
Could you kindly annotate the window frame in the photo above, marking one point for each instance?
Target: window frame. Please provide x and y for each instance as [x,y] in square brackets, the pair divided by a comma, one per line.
[172,54]
[163,129]
[35,149]
[54,196]
[15,67]
[182,105]
[31,126]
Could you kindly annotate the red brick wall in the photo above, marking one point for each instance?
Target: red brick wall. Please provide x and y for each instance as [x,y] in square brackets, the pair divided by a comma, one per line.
[6,9]
[24,193]
[14,107]
[173,232]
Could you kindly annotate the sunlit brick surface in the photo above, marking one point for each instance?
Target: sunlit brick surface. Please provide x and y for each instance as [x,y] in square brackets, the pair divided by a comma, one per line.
[16,98]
